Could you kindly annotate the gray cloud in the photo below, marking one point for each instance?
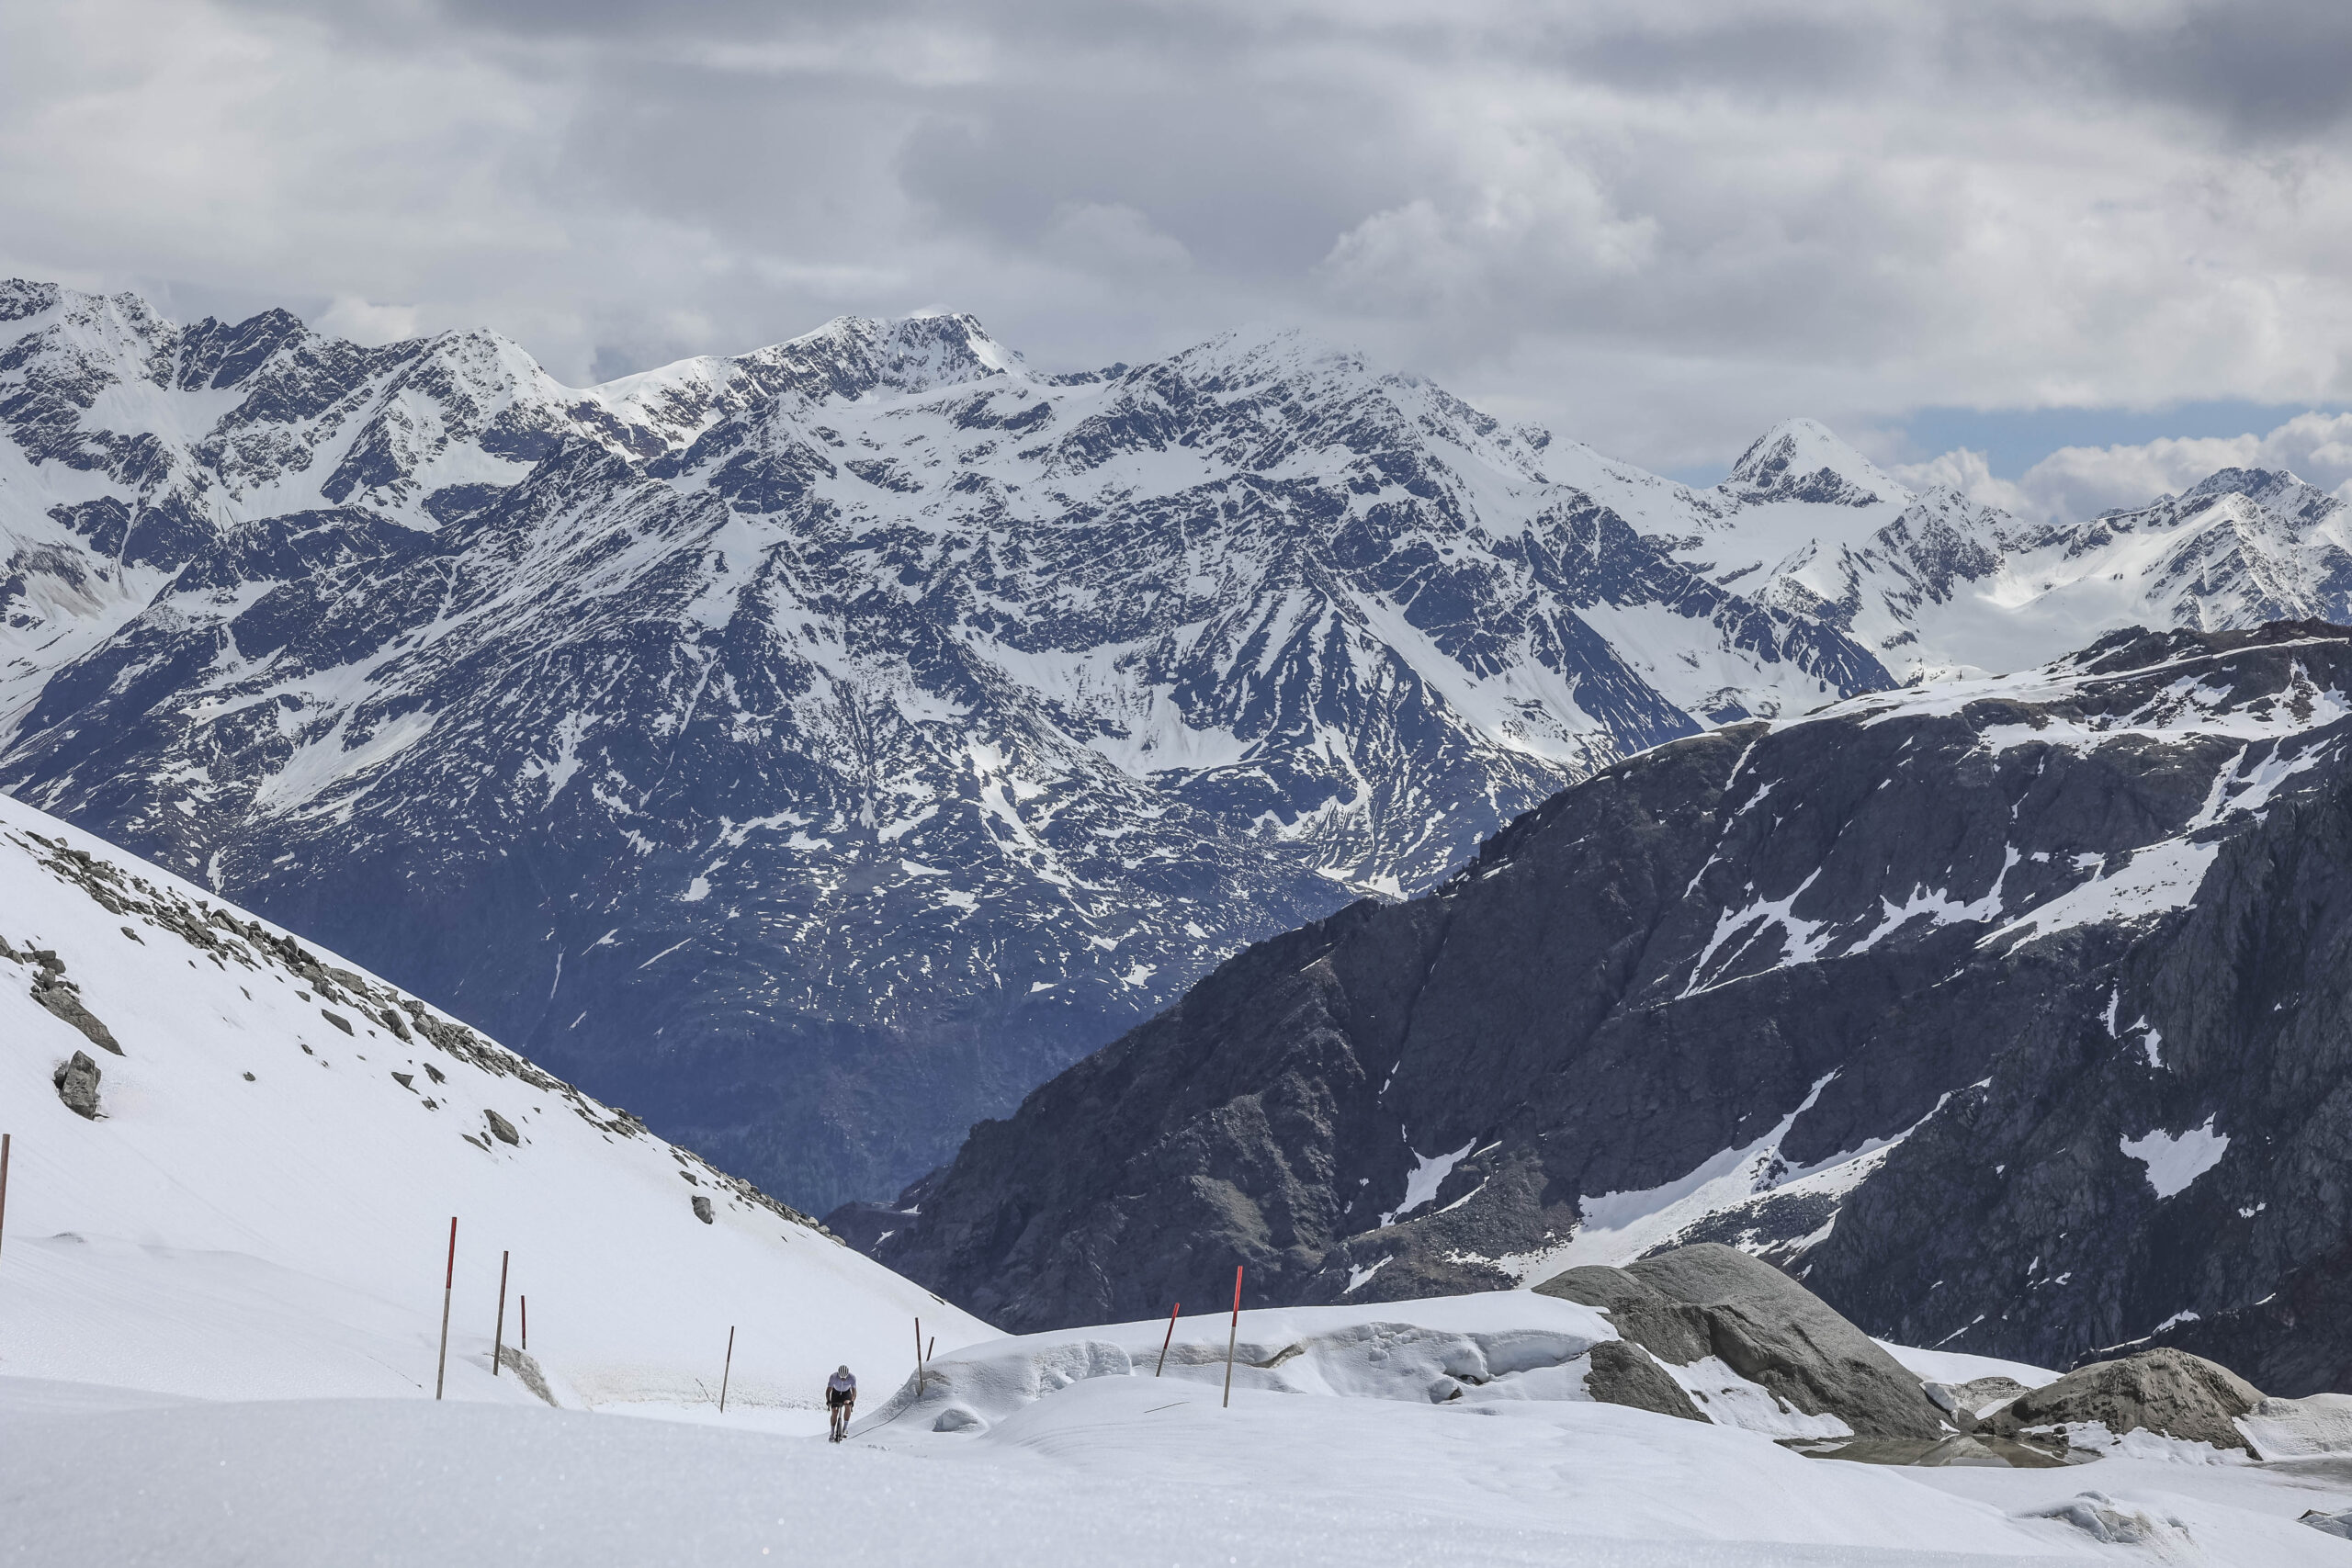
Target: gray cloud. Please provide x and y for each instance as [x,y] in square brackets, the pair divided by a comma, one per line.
[1657,226]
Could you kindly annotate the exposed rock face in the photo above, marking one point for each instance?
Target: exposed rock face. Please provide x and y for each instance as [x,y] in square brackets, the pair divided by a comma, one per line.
[1709,1299]
[2015,1016]
[1676,1331]
[78,1085]
[1626,1373]
[2167,1392]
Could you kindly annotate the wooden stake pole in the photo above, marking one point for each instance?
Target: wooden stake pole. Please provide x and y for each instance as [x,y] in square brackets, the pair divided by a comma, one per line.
[1172,1334]
[917,1355]
[498,1340]
[3,1182]
[1233,1335]
[526,1303]
[728,1370]
[448,1285]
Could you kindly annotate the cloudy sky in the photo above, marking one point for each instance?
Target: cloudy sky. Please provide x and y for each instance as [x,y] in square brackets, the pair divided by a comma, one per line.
[2068,252]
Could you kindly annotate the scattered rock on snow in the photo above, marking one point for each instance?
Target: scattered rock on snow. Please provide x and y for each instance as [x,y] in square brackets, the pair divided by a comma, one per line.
[337,1019]
[501,1129]
[53,991]
[702,1209]
[2167,1391]
[78,1085]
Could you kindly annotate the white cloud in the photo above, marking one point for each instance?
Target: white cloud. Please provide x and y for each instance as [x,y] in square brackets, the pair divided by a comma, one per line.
[2075,482]
[363,321]
[1658,225]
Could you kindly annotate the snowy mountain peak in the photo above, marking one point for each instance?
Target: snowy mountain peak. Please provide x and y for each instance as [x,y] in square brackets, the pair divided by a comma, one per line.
[1802,459]
[2282,494]
[854,356]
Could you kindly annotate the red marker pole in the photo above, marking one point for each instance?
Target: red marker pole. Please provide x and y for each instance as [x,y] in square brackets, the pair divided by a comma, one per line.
[1230,1337]
[1172,1334]
[441,1376]
[728,1370]
[498,1340]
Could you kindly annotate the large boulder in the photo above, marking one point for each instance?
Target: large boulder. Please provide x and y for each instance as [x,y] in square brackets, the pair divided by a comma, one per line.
[1714,1300]
[2163,1390]
[78,1085]
[1671,1330]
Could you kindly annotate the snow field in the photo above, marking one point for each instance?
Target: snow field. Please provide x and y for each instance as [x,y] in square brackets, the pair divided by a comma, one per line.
[1112,1468]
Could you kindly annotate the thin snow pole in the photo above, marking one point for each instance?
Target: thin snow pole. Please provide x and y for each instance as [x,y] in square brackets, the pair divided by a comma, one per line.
[4,1182]
[927,1349]
[527,1321]
[1172,1334]
[448,1284]
[1233,1334]
[728,1370]
[498,1340]
[917,1355]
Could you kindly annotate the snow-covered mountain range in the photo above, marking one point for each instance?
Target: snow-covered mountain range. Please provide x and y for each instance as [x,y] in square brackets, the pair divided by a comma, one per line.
[235,1158]
[815,748]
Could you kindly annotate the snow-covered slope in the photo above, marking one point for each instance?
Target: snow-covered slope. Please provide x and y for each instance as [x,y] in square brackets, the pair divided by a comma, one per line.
[819,747]
[260,1206]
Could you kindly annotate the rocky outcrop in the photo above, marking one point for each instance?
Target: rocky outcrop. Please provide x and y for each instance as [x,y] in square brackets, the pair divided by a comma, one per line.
[1627,1373]
[78,1085]
[2165,1392]
[1711,1299]
[2014,1017]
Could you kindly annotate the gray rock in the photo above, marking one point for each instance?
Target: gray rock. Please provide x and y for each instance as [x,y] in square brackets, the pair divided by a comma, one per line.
[2102,1518]
[58,997]
[2336,1525]
[1981,1396]
[702,1209]
[1673,1331]
[78,1085]
[1771,1331]
[1625,1373]
[2167,1391]
[501,1129]
[337,1019]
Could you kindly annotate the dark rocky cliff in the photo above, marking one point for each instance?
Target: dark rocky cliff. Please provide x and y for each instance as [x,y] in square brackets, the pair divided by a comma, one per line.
[2010,1017]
